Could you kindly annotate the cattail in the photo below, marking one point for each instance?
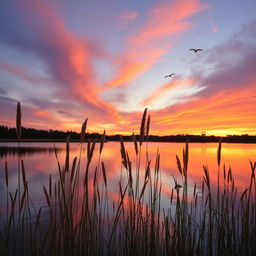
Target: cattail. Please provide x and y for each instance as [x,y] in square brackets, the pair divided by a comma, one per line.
[157,164]
[185,159]
[104,174]
[23,173]
[6,174]
[67,154]
[230,174]
[122,150]
[83,129]
[95,176]
[179,164]
[88,148]
[219,152]
[102,141]
[73,168]
[147,171]
[129,168]
[18,121]
[194,190]
[142,126]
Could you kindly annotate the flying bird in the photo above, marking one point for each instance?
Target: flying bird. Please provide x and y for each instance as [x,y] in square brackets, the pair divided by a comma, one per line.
[170,75]
[196,50]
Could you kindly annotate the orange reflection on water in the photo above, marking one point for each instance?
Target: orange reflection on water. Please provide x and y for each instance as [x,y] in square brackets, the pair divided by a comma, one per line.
[40,165]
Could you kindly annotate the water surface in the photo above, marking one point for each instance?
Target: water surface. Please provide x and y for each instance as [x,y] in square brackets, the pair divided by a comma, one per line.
[40,161]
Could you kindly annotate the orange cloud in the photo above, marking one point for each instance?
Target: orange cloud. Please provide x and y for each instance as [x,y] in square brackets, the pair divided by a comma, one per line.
[68,57]
[153,40]
[226,112]
[159,92]
[168,19]
[42,113]
[135,65]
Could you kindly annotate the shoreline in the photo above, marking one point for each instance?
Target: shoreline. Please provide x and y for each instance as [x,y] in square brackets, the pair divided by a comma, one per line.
[224,140]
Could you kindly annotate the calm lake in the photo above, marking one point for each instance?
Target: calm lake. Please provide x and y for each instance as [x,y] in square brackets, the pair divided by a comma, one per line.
[40,161]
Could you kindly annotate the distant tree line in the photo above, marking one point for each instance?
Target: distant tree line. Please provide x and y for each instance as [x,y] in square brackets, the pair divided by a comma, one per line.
[30,133]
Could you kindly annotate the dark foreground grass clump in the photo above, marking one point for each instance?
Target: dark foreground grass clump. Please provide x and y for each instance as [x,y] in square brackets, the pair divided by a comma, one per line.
[80,218]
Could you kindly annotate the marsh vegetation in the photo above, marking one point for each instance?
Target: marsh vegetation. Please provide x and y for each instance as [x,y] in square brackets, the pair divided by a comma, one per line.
[80,217]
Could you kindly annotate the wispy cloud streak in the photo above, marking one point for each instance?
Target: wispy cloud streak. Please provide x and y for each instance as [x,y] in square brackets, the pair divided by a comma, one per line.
[152,41]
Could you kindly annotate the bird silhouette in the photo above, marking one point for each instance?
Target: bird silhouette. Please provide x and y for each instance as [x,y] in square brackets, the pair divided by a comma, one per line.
[177,185]
[196,50]
[170,75]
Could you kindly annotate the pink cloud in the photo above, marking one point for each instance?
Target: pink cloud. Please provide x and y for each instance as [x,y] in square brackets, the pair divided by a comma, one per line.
[168,19]
[127,18]
[159,92]
[41,32]
[152,41]
[22,73]
[69,58]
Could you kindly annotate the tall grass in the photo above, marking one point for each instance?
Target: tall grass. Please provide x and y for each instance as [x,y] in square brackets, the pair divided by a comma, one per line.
[78,219]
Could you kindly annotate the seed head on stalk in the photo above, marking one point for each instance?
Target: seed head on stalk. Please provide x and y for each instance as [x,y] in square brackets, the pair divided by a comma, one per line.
[18,121]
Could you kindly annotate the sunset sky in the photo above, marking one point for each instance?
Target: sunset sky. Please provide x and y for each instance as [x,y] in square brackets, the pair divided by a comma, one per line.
[106,60]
